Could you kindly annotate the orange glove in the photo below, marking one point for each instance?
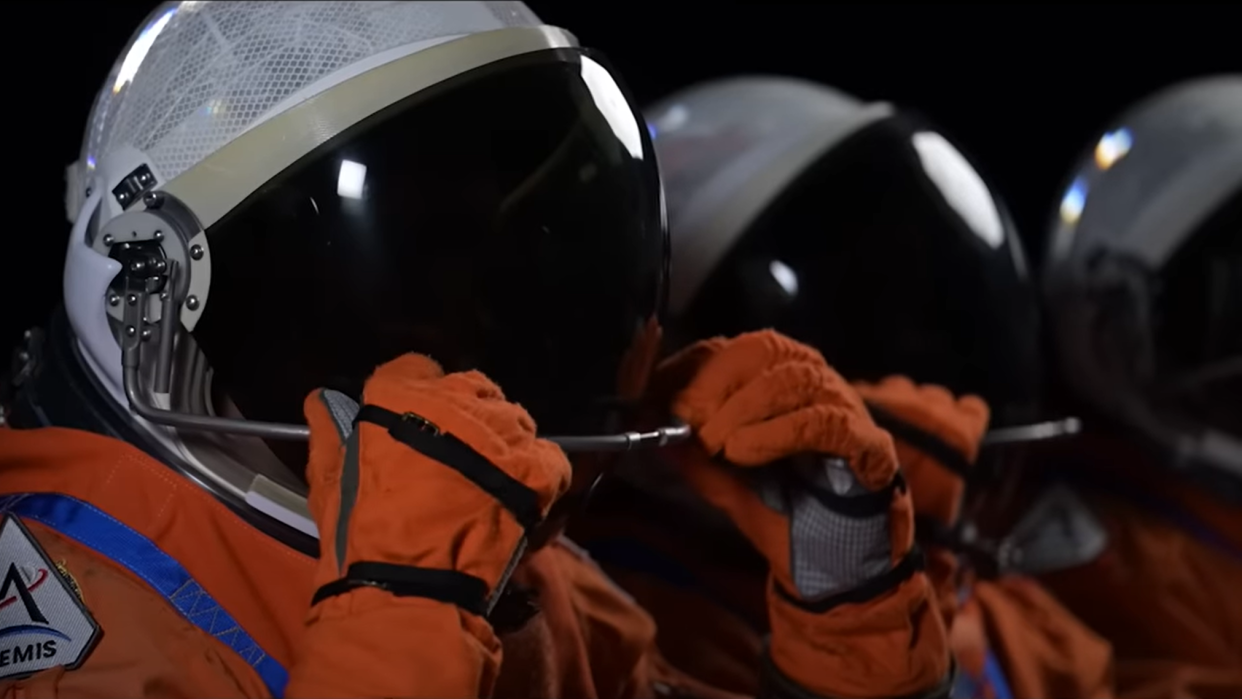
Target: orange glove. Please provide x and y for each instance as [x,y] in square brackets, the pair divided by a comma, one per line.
[423,509]
[848,607]
[937,438]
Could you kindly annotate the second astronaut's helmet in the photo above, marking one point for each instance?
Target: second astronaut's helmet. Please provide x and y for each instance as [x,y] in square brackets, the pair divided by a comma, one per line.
[854,227]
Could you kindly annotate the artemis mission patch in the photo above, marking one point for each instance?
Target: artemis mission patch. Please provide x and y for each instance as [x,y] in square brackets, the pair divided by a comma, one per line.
[42,621]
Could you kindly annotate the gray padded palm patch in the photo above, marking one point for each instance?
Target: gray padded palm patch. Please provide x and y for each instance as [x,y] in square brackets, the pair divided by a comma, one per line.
[831,553]
[343,410]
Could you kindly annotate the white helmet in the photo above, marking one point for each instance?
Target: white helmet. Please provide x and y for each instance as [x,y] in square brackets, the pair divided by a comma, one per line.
[312,188]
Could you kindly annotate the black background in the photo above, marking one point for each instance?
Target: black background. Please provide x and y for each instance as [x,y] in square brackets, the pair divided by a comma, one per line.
[1023,88]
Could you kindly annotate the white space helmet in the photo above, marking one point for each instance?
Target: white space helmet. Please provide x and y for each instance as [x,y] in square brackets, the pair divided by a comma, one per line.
[274,196]
[1143,276]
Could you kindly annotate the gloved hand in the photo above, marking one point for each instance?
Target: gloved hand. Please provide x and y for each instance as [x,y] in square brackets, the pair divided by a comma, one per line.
[423,500]
[788,450]
[937,438]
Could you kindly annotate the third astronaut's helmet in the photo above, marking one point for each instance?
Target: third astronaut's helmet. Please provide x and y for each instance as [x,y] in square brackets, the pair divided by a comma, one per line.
[1144,277]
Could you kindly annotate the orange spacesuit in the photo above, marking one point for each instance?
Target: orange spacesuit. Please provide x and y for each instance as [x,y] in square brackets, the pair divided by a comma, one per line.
[1163,590]
[1141,282]
[120,531]
[1010,637]
[274,199]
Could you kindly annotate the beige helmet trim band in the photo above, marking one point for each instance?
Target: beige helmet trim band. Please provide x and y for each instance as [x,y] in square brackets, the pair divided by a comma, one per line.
[224,179]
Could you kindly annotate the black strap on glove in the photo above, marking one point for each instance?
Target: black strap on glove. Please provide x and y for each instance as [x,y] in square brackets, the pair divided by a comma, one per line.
[465,591]
[422,436]
[454,587]
[922,440]
[857,507]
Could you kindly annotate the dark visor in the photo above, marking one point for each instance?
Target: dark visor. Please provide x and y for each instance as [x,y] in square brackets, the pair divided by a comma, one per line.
[867,258]
[1198,324]
[507,220]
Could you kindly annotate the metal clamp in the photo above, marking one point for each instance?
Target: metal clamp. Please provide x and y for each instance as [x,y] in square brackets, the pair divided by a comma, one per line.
[421,423]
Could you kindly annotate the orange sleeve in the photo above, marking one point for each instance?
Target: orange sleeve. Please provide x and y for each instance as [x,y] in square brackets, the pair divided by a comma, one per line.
[589,640]
[1167,601]
[147,648]
[1159,679]
[368,643]
[1045,650]
[696,635]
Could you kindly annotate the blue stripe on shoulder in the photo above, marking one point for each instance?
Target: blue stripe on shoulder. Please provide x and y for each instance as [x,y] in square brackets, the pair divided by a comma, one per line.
[112,539]
[996,678]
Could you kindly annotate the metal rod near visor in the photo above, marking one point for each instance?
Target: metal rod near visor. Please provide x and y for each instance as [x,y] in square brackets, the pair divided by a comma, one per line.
[132,340]
[1037,432]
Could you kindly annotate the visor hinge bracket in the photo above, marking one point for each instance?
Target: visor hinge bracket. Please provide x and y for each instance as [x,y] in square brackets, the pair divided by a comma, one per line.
[143,266]
[133,186]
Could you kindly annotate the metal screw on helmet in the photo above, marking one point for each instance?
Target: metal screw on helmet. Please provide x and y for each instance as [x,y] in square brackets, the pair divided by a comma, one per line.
[192,303]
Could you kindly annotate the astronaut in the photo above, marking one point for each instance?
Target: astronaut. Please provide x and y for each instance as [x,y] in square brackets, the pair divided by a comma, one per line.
[264,449]
[1143,286]
[860,229]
